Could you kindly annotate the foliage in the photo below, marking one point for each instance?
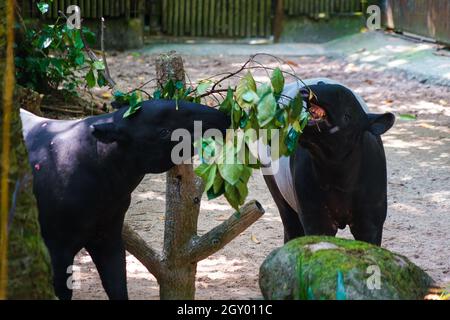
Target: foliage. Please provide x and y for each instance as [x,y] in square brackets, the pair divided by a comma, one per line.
[227,166]
[52,56]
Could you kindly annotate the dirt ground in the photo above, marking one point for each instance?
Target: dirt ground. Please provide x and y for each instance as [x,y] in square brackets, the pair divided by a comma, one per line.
[418,161]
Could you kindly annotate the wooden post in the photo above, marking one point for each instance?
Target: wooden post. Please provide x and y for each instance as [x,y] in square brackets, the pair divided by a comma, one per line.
[278,21]
[176,267]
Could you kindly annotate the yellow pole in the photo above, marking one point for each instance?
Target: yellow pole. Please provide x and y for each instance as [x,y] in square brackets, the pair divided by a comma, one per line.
[8,91]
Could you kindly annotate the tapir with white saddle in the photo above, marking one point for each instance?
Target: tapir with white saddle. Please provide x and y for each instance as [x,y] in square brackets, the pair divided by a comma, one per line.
[337,175]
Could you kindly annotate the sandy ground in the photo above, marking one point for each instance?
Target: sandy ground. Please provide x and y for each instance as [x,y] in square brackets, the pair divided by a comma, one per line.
[418,160]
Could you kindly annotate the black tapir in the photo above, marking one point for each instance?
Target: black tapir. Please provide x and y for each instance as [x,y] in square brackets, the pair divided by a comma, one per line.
[337,175]
[85,171]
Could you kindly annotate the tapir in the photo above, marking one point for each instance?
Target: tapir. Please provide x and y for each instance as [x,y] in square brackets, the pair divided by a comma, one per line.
[85,171]
[337,175]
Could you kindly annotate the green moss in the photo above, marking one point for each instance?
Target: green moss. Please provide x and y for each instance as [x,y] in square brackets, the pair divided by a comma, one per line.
[280,277]
[29,263]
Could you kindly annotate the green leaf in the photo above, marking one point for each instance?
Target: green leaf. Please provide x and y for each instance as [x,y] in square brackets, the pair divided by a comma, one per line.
[267,107]
[231,172]
[90,78]
[58,64]
[89,36]
[203,171]
[78,42]
[218,183]
[277,80]
[134,101]
[232,196]
[157,94]
[236,115]
[118,94]
[247,83]
[45,42]
[291,140]
[99,65]
[242,191]
[79,59]
[212,194]
[211,177]
[296,106]
[296,126]
[203,87]
[227,103]
[179,85]
[101,81]
[407,116]
[43,7]
[168,90]
[250,97]
[246,174]
[131,110]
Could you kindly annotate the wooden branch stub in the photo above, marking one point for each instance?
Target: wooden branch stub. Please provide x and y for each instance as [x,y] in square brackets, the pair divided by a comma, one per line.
[137,246]
[217,238]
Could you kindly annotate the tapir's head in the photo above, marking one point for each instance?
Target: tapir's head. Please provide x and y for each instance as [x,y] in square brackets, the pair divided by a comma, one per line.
[339,120]
[147,135]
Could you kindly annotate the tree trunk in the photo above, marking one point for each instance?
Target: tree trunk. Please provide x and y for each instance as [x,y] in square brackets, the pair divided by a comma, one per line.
[183,194]
[25,271]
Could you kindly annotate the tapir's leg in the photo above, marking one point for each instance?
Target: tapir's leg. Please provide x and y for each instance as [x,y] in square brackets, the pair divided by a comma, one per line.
[367,224]
[62,260]
[109,258]
[291,222]
[108,253]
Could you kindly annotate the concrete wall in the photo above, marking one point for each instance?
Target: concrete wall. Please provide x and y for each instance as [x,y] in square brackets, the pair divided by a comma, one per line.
[120,34]
[304,29]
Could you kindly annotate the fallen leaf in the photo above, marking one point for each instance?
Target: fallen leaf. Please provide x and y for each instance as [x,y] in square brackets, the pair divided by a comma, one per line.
[407,116]
[427,126]
[106,95]
[254,239]
[292,63]
[221,218]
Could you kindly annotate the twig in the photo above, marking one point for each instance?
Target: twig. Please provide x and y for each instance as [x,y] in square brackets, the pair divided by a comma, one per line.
[142,85]
[212,92]
[137,246]
[93,57]
[102,47]
[72,111]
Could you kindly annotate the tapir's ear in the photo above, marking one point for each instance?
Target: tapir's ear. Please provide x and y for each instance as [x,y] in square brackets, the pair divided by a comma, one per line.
[108,133]
[380,123]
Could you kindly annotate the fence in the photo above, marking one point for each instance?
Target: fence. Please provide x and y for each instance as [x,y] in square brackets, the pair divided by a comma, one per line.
[313,8]
[230,18]
[428,18]
[89,8]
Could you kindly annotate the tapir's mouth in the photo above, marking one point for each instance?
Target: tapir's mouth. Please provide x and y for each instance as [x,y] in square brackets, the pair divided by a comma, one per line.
[317,115]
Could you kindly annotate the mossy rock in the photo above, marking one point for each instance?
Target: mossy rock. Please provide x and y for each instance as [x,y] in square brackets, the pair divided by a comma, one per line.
[332,268]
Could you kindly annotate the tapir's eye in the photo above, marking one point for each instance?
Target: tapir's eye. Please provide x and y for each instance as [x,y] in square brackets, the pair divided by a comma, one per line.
[164,133]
